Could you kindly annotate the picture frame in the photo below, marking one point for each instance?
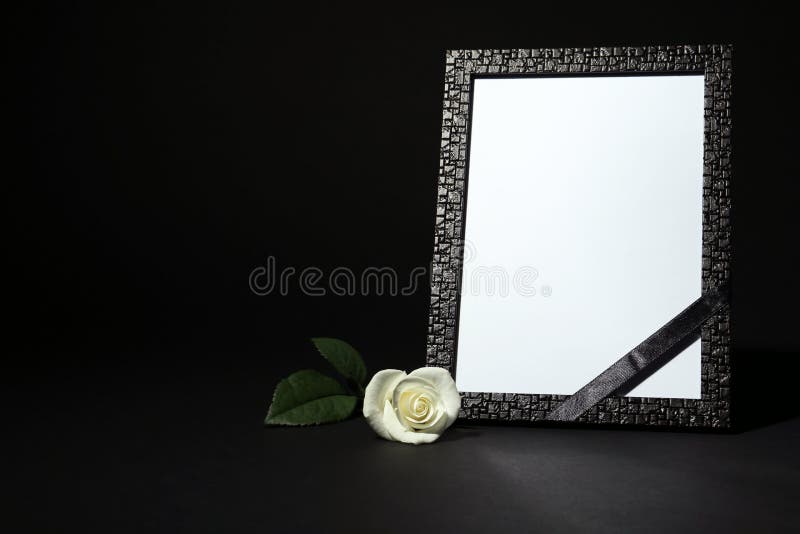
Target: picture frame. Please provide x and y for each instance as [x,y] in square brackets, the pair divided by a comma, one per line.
[711,410]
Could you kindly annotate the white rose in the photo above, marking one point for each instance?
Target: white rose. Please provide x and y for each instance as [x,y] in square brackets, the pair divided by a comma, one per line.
[412,408]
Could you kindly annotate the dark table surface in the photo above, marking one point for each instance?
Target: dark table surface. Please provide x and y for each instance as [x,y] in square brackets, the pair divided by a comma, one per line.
[185,451]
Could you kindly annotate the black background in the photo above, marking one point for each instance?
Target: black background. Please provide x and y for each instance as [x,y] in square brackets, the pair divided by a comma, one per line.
[163,152]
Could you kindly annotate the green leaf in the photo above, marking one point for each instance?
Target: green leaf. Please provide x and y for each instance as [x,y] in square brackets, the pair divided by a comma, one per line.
[309,398]
[343,357]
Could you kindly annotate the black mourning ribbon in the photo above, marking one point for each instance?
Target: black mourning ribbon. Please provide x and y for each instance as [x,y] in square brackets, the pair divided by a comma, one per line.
[646,358]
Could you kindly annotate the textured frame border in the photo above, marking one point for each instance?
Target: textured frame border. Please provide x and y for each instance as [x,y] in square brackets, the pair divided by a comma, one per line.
[712,410]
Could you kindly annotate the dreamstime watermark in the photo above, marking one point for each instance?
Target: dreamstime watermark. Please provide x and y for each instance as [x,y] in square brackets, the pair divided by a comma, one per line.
[477,279]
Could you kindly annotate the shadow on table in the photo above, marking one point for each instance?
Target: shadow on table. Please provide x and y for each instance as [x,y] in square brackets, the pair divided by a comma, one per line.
[460,432]
[764,388]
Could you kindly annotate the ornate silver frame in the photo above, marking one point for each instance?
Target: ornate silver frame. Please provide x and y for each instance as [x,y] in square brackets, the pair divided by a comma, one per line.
[713,409]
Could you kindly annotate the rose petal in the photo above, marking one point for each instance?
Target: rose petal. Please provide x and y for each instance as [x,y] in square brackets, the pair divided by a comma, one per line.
[398,432]
[401,403]
[445,385]
[378,390]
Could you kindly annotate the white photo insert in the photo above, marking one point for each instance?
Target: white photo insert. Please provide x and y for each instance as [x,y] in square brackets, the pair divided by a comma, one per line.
[583,230]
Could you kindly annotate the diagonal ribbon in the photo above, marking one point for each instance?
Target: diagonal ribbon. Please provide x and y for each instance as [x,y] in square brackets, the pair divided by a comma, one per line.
[646,358]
